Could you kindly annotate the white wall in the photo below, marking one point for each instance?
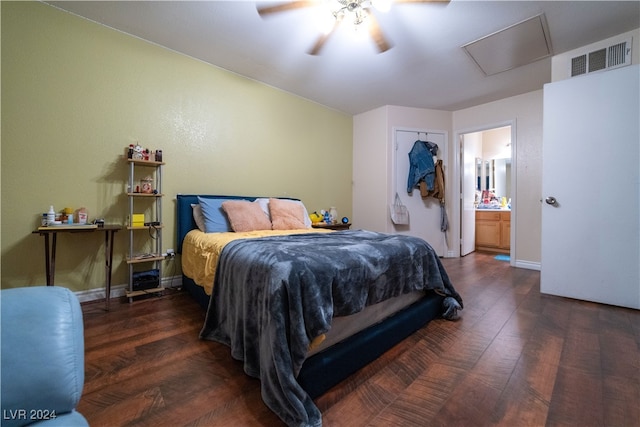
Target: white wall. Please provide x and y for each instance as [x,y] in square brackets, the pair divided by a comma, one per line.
[373,136]
[370,170]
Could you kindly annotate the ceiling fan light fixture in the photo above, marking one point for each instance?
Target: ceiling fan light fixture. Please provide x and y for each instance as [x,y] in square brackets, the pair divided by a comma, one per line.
[355,11]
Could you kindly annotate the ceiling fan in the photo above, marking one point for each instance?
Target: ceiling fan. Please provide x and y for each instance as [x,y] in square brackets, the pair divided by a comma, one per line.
[357,12]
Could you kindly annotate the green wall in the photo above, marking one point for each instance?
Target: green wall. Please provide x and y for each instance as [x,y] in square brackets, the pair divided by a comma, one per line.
[75,94]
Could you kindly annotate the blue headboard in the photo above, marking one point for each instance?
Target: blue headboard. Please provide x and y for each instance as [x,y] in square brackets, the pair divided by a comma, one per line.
[184,212]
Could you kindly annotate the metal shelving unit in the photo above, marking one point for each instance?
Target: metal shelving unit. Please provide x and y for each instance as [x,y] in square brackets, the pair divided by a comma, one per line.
[151,202]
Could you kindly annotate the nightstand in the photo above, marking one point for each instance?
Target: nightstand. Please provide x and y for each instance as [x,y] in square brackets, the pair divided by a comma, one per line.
[338,226]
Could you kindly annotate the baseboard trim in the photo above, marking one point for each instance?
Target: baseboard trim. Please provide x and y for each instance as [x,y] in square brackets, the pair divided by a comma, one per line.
[119,290]
[528,265]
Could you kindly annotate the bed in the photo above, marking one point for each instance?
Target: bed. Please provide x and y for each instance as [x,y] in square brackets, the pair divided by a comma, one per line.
[314,306]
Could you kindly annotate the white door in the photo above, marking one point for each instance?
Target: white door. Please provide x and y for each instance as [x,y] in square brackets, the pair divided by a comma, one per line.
[591,188]
[471,148]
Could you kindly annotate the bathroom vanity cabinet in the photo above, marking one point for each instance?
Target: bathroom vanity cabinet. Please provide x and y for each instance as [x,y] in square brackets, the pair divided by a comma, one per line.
[493,230]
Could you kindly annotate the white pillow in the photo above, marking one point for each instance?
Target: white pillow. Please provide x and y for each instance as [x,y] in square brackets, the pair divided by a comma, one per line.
[198,217]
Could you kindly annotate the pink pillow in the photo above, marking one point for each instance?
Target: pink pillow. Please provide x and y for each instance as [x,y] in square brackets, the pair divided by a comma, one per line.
[286,214]
[245,216]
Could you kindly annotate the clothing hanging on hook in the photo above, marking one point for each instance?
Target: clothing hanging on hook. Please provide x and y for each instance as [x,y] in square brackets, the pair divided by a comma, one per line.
[421,165]
[438,185]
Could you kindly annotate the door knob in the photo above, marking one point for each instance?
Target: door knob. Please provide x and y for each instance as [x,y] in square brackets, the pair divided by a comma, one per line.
[551,201]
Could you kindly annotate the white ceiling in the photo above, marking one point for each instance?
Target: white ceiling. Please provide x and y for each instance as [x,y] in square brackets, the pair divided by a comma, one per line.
[426,68]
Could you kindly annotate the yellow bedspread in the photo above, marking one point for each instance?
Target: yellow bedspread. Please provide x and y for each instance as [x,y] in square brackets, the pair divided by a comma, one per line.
[200,251]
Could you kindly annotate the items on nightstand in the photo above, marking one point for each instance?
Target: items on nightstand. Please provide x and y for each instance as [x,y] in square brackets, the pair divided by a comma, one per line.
[315,218]
[329,217]
[333,215]
[338,226]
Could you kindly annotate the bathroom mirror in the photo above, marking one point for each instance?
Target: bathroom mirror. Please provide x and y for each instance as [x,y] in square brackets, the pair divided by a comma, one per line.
[502,177]
[488,174]
[494,174]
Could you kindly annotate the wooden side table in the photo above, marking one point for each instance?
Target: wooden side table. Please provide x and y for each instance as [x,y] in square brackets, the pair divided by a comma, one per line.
[338,226]
[50,236]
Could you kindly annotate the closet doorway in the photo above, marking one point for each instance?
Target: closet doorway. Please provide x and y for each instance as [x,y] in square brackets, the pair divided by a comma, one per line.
[488,174]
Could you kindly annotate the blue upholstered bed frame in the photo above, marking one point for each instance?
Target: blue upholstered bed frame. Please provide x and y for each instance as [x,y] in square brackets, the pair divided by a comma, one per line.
[324,370]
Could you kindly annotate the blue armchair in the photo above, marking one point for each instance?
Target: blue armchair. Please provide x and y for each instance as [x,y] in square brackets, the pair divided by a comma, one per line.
[42,357]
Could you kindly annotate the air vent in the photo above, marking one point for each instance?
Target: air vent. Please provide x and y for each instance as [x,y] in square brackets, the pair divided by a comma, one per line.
[578,65]
[597,60]
[617,55]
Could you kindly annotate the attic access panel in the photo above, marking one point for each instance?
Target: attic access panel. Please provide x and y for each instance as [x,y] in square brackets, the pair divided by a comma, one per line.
[520,44]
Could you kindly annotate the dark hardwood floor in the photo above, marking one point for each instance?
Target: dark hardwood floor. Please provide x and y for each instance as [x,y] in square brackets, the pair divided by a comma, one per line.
[516,358]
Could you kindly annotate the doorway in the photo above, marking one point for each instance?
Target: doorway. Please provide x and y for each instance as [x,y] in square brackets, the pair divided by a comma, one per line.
[487,181]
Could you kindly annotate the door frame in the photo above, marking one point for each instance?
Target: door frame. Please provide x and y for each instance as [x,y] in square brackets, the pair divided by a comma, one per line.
[458,170]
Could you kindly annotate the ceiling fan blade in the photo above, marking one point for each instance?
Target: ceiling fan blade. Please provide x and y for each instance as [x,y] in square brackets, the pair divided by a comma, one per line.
[292,5]
[315,49]
[376,34]
[322,38]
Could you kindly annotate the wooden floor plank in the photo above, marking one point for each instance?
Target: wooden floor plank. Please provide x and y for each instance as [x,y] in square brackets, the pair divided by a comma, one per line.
[515,358]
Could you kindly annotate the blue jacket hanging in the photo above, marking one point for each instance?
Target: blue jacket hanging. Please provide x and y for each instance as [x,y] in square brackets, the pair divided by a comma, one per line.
[421,166]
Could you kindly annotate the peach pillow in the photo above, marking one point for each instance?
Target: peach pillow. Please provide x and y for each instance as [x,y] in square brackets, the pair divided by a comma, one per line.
[245,216]
[286,214]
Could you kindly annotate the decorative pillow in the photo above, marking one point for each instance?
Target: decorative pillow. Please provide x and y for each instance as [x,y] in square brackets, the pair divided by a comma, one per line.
[286,214]
[215,221]
[264,203]
[307,220]
[245,215]
[198,217]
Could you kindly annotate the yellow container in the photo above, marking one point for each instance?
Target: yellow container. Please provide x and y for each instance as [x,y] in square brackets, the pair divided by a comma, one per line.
[137,220]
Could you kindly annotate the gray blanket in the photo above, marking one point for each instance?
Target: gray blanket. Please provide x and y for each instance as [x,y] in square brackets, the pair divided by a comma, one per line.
[272,296]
